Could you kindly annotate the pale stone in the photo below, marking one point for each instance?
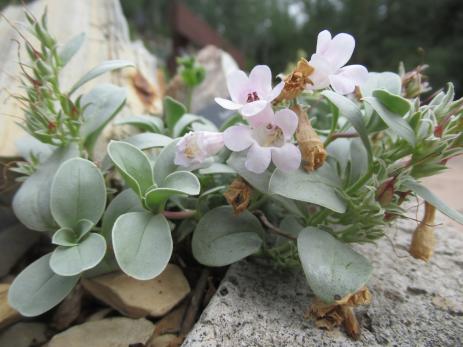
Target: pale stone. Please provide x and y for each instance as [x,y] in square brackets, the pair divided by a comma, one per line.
[136,298]
[24,335]
[414,303]
[7,314]
[111,332]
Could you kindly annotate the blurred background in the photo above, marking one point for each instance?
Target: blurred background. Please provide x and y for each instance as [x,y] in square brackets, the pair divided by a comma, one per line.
[276,32]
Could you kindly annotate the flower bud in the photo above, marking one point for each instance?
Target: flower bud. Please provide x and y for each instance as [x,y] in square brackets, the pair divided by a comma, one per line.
[195,147]
[310,145]
[385,192]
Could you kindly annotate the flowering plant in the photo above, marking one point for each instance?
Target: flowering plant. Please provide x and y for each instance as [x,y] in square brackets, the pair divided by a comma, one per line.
[326,157]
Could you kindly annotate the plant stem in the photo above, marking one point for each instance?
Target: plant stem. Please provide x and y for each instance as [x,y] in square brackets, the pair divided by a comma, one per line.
[334,136]
[179,214]
[272,227]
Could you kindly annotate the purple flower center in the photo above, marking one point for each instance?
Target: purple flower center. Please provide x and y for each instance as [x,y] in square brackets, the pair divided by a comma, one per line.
[252,97]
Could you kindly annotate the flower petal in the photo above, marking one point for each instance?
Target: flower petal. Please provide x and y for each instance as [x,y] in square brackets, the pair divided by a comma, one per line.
[322,69]
[253,108]
[258,158]
[323,41]
[263,117]
[275,91]
[237,82]
[287,121]
[341,84]
[357,73]
[228,104]
[286,158]
[340,50]
[260,79]
[237,138]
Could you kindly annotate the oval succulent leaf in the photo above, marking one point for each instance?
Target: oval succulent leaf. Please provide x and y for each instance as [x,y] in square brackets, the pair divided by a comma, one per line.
[78,192]
[222,238]
[173,111]
[133,165]
[309,187]
[394,103]
[143,122]
[142,244]
[65,237]
[31,204]
[73,260]
[164,164]
[37,288]
[333,270]
[148,140]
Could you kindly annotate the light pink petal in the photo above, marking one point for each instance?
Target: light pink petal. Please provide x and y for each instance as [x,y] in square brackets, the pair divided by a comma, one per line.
[286,158]
[253,108]
[263,117]
[275,91]
[340,50]
[286,120]
[260,79]
[357,73]
[323,41]
[322,69]
[237,82]
[228,104]
[341,84]
[237,138]
[258,158]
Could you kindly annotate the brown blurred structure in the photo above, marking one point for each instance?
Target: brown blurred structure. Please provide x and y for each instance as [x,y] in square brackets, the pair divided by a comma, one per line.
[188,28]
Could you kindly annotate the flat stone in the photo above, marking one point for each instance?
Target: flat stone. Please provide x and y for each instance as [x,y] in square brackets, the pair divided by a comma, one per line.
[167,340]
[7,314]
[135,298]
[414,303]
[24,335]
[111,332]
[15,241]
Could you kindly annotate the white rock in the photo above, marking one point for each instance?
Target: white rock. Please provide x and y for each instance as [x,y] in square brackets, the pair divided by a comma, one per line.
[24,335]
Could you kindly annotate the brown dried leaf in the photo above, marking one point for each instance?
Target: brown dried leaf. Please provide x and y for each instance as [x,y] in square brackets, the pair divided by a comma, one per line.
[238,195]
[310,145]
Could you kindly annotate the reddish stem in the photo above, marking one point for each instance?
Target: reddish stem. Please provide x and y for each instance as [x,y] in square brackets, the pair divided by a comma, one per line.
[179,214]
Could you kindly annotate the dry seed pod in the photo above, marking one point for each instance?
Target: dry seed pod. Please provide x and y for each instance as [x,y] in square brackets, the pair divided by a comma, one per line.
[238,195]
[296,81]
[423,240]
[310,145]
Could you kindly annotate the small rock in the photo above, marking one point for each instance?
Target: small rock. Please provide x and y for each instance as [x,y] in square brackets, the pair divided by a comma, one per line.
[7,217]
[7,314]
[69,309]
[24,335]
[136,298]
[99,315]
[14,243]
[111,332]
[172,322]
[168,340]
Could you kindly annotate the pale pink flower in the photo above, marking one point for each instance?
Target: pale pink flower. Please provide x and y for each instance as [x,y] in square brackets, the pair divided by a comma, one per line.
[195,148]
[267,141]
[328,62]
[250,95]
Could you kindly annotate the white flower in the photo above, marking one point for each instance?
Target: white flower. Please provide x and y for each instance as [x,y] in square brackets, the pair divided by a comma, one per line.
[250,95]
[195,148]
[328,62]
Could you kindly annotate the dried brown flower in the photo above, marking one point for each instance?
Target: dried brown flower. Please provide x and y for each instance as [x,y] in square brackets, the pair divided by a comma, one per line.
[423,240]
[296,81]
[238,195]
[330,316]
[312,150]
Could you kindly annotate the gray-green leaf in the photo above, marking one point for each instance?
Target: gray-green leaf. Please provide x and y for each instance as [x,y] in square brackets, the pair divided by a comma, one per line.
[78,192]
[142,244]
[173,110]
[37,288]
[258,181]
[73,260]
[31,204]
[133,165]
[333,270]
[429,196]
[71,48]
[143,122]
[104,67]
[164,164]
[222,238]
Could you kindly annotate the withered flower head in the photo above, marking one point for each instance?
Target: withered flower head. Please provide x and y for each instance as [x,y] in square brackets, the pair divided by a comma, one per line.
[238,195]
[424,240]
[330,316]
[414,82]
[312,150]
[296,81]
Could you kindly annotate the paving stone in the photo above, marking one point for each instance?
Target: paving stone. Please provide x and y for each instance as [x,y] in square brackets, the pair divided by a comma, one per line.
[414,303]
